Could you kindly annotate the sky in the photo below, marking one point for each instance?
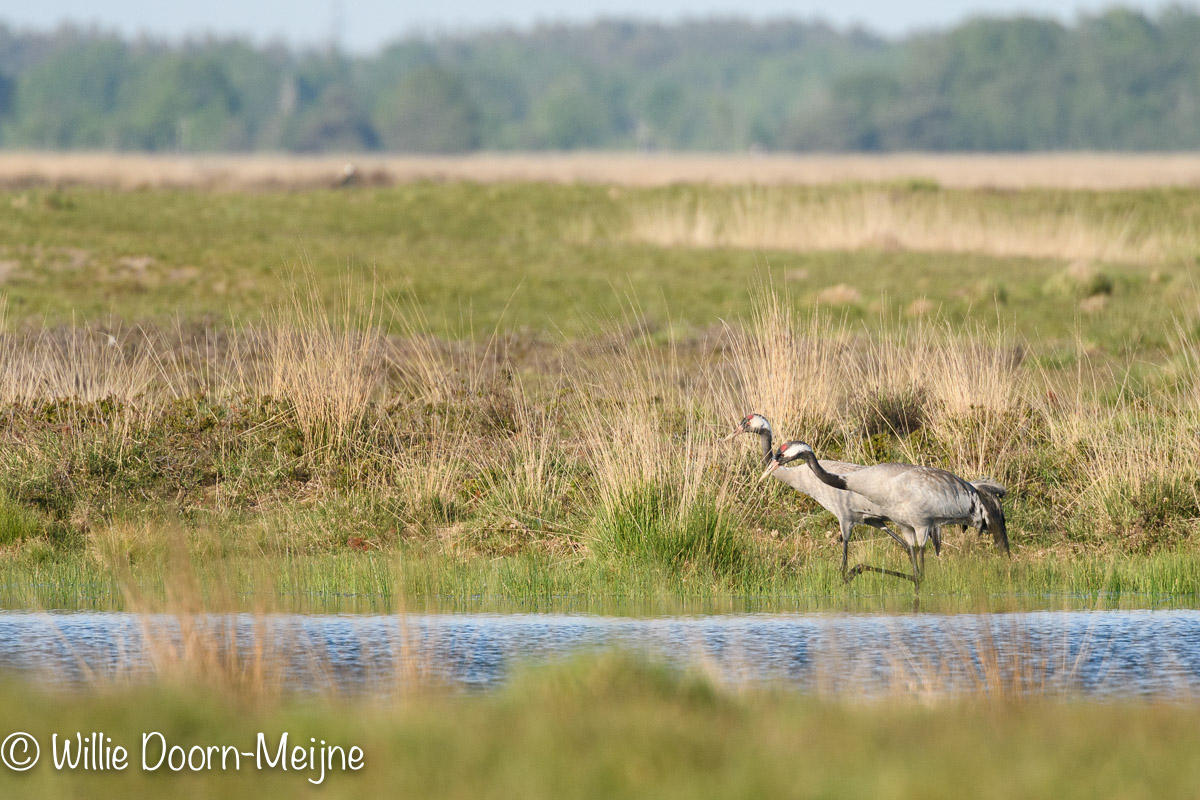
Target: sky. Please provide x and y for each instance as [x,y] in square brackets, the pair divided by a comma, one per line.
[362,26]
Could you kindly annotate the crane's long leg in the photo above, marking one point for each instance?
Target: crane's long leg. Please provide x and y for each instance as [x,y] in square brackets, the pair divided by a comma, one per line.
[915,577]
[918,569]
[861,568]
[895,536]
[847,531]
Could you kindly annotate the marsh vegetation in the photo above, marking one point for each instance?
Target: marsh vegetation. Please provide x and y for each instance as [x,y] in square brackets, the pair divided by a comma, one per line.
[518,390]
[511,396]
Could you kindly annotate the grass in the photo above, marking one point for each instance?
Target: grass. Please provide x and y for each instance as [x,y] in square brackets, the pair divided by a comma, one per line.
[579,468]
[546,258]
[643,578]
[495,387]
[612,727]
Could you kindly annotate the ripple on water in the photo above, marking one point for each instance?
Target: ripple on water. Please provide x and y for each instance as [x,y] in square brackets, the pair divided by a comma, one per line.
[1151,653]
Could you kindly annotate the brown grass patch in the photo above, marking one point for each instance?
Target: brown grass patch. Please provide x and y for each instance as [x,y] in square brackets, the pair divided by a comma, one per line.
[1061,170]
[874,219]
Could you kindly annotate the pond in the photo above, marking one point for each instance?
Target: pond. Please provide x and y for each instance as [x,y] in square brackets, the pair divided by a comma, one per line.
[1099,654]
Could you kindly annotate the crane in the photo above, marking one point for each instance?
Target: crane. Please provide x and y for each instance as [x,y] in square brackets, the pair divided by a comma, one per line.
[850,509]
[917,499]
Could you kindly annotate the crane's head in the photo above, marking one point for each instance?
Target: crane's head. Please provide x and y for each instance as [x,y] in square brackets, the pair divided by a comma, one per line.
[990,518]
[785,455]
[751,423]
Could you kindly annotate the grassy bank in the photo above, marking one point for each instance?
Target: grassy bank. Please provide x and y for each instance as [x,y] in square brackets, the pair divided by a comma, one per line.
[349,463]
[616,728]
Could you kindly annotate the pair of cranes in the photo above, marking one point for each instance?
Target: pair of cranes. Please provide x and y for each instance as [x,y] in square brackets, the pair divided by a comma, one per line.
[917,500]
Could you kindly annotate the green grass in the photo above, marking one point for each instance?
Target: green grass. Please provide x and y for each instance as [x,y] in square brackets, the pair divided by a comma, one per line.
[639,527]
[474,256]
[418,578]
[613,728]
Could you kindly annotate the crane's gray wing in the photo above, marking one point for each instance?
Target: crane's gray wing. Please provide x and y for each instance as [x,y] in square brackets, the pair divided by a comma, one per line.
[913,494]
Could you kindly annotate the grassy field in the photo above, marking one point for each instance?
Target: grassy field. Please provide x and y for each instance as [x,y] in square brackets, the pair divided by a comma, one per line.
[447,391]
[547,258]
[610,727]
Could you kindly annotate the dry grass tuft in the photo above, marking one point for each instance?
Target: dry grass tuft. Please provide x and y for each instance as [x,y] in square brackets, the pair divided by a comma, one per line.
[839,294]
[873,219]
[325,371]
[1003,662]
[529,482]
[818,381]
[80,364]
[789,371]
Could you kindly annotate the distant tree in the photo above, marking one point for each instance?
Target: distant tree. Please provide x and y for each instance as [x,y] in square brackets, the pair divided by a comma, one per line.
[853,117]
[68,101]
[7,93]
[1115,80]
[181,103]
[256,79]
[430,110]
[576,113]
[333,122]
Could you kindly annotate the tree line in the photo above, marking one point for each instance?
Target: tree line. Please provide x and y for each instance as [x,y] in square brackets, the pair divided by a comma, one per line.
[1120,80]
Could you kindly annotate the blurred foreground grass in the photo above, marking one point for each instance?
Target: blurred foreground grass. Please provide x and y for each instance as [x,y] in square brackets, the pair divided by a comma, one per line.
[610,727]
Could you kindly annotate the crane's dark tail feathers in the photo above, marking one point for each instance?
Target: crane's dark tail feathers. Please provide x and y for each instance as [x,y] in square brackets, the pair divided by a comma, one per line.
[990,486]
[995,524]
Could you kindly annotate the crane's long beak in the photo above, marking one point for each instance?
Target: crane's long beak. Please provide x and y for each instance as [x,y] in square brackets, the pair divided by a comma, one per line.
[732,435]
[774,465]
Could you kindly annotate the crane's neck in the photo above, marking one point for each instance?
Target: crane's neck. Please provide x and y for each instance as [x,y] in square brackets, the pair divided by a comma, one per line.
[824,475]
[764,436]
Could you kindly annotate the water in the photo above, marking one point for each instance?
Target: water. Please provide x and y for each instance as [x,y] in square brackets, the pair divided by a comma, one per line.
[1103,654]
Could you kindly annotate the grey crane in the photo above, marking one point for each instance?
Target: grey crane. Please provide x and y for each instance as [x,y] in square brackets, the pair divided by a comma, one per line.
[918,500]
[850,508]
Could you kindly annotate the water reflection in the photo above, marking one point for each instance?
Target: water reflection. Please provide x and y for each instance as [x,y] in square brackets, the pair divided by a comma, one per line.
[1098,653]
